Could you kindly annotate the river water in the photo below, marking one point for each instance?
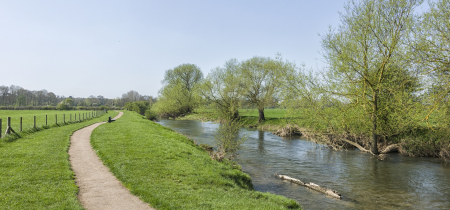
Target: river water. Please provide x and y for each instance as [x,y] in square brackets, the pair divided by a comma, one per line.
[400,182]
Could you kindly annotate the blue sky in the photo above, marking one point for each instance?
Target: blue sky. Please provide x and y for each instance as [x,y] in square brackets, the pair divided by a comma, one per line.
[82,48]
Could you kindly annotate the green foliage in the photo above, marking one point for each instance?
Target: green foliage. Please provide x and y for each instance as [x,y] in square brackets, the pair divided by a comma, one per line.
[103,107]
[180,92]
[228,140]
[63,106]
[368,61]
[221,89]
[431,48]
[176,173]
[151,115]
[138,106]
[259,82]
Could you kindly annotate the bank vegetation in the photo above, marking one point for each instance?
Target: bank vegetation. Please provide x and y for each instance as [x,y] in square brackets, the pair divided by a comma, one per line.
[384,88]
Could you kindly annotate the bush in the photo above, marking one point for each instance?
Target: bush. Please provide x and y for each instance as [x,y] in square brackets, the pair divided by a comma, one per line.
[228,139]
[151,115]
[103,107]
[137,106]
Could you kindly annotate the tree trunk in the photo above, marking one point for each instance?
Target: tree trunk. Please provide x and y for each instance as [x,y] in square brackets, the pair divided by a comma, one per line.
[374,122]
[261,115]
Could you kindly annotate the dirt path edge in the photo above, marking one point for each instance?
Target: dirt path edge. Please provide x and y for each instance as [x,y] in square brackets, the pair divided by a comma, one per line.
[98,187]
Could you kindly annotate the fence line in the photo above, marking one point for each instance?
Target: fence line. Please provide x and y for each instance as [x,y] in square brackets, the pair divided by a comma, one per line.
[9,129]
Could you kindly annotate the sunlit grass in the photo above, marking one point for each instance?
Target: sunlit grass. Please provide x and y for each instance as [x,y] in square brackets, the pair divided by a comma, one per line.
[169,171]
[35,170]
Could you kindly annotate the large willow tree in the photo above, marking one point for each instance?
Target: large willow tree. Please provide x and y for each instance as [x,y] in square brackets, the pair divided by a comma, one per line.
[367,59]
[179,95]
[221,89]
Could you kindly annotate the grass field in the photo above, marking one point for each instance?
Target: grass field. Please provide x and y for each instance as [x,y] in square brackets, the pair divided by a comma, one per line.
[35,171]
[28,118]
[169,171]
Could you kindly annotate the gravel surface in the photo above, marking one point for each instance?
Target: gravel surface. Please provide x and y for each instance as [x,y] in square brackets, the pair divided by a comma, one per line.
[98,187]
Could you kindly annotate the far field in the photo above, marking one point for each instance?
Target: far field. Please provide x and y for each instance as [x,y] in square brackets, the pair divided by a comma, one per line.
[28,118]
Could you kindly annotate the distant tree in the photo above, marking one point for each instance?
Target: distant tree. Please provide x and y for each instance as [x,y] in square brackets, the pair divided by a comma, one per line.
[52,100]
[21,100]
[260,82]
[101,99]
[130,96]
[65,104]
[179,94]
[4,91]
[187,76]
[221,89]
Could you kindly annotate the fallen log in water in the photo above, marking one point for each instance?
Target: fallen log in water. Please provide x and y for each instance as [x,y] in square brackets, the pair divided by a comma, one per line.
[313,186]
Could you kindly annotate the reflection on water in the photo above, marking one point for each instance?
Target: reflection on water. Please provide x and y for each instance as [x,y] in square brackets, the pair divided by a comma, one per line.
[365,183]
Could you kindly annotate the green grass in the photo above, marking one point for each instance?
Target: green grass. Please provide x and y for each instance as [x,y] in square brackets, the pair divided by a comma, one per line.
[169,171]
[28,118]
[35,171]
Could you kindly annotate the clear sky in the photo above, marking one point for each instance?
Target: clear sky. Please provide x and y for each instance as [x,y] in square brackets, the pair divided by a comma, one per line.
[82,48]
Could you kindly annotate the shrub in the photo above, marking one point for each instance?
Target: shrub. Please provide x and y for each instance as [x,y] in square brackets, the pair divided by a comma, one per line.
[151,115]
[228,140]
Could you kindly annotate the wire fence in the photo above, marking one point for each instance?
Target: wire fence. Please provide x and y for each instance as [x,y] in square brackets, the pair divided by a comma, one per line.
[26,122]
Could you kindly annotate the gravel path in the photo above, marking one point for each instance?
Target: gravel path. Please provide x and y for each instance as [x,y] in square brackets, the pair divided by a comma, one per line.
[99,188]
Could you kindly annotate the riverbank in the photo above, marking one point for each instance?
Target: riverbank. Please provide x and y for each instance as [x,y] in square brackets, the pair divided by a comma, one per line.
[421,142]
[35,170]
[168,171]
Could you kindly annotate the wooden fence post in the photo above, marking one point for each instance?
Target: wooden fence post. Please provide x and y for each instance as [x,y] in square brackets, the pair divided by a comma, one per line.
[64,118]
[20,128]
[45,120]
[0,127]
[56,119]
[8,127]
[79,117]
[34,124]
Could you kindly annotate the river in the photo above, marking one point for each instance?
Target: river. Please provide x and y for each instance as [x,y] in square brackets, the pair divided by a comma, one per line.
[400,182]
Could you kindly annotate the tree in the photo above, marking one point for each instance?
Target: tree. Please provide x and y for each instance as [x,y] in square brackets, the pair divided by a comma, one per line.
[260,82]
[432,48]
[4,90]
[172,101]
[179,94]
[130,96]
[21,100]
[221,88]
[367,52]
[188,76]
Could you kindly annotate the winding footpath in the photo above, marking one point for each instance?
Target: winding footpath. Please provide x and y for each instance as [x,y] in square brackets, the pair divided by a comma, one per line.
[98,187]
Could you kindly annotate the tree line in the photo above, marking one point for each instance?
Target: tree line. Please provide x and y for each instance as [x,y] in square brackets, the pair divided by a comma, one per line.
[386,81]
[16,97]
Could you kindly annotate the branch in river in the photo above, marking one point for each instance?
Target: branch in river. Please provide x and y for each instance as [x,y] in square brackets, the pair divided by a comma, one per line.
[313,186]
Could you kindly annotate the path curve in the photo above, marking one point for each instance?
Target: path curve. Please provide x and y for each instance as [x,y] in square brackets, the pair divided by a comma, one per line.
[98,187]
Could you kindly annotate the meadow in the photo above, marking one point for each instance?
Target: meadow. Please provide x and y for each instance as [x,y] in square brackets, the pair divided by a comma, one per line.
[35,170]
[54,117]
[169,171]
